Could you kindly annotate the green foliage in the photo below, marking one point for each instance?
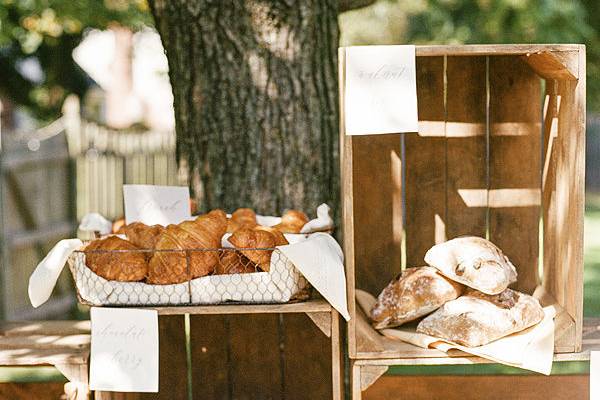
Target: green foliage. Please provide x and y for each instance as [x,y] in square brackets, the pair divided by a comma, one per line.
[49,30]
[482,21]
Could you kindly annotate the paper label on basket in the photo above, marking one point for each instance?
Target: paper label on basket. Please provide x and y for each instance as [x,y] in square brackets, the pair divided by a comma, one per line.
[595,375]
[124,350]
[380,90]
[152,204]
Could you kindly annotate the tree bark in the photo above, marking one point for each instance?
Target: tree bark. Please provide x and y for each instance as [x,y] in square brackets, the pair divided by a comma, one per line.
[255,92]
[255,95]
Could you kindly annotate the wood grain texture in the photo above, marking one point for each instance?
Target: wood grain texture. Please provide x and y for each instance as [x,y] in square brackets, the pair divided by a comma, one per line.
[307,362]
[425,166]
[466,155]
[502,387]
[515,94]
[172,378]
[211,356]
[377,221]
[28,391]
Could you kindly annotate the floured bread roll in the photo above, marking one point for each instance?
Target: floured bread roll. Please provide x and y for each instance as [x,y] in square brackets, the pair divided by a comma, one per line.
[476,318]
[474,262]
[414,293]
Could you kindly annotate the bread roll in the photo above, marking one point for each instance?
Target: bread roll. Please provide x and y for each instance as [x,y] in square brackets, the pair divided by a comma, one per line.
[476,318]
[241,218]
[474,262]
[414,293]
[292,221]
[126,266]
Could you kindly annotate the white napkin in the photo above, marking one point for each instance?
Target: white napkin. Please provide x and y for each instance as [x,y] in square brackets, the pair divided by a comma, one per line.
[94,222]
[320,259]
[43,279]
[531,349]
[323,222]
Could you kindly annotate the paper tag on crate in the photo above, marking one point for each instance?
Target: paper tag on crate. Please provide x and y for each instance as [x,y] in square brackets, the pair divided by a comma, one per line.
[152,204]
[124,350]
[380,90]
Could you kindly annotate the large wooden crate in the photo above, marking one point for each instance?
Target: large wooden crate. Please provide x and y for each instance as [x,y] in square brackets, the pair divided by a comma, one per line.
[499,154]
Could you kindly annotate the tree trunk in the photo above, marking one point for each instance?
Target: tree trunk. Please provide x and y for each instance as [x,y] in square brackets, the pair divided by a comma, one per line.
[255,92]
[255,88]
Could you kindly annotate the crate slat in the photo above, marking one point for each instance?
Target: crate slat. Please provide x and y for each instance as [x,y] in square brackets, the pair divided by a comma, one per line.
[466,155]
[515,164]
[425,166]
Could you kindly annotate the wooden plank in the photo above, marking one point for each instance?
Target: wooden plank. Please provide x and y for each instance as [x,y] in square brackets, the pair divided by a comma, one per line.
[515,163]
[211,356]
[567,211]
[307,363]
[377,193]
[500,387]
[28,391]
[425,166]
[256,370]
[347,207]
[550,66]
[22,328]
[466,155]
[172,360]
[337,358]
[43,356]
[299,307]
[492,49]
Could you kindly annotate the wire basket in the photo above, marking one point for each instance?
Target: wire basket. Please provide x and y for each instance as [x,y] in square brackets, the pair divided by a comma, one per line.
[281,284]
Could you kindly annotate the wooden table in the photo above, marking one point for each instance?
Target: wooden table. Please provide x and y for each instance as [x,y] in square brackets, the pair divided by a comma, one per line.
[62,344]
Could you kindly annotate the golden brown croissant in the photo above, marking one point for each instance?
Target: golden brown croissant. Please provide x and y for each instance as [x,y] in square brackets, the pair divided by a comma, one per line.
[118,224]
[241,218]
[124,266]
[234,262]
[258,238]
[204,232]
[280,239]
[142,235]
[292,221]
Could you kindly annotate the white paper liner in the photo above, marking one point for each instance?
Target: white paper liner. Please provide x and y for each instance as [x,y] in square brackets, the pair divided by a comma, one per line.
[279,285]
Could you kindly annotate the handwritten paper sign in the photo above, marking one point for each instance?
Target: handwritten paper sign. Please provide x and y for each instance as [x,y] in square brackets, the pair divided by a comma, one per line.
[124,350]
[152,205]
[380,90]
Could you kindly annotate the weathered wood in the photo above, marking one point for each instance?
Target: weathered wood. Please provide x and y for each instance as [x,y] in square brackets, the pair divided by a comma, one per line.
[498,387]
[299,307]
[322,321]
[515,163]
[467,167]
[552,66]
[564,199]
[211,356]
[493,49]
[377,193]
[425,166]
[28,391]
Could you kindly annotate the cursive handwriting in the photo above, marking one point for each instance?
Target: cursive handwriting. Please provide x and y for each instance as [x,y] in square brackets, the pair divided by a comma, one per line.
[127,360]
[151,205]
[131,333]
[385,72]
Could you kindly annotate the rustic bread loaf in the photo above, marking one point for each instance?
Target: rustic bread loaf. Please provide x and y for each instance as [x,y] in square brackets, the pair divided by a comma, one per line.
[414,293]
[474,262]
[475,318]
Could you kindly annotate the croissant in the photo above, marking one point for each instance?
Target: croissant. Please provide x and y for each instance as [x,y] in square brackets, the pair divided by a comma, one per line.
[280,239]
[118,224]
[205,232]
[292,221]
[142,235]
[234,262]
[124,266]
[261,243]
[241,218]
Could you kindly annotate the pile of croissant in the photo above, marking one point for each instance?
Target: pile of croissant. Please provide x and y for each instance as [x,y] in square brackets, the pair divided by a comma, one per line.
[463,292]
[161,255]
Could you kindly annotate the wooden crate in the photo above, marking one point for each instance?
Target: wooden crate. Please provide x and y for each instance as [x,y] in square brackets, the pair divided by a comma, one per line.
[500,153]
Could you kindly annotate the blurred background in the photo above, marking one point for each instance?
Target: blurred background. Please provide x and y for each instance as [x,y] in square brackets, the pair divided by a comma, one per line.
[86,106]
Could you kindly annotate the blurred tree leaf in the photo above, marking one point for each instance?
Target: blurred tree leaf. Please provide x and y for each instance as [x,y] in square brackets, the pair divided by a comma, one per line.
[482,21]
[44,33]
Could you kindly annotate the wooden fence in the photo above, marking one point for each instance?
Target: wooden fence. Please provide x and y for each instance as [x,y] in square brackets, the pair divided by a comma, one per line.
[53,176]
